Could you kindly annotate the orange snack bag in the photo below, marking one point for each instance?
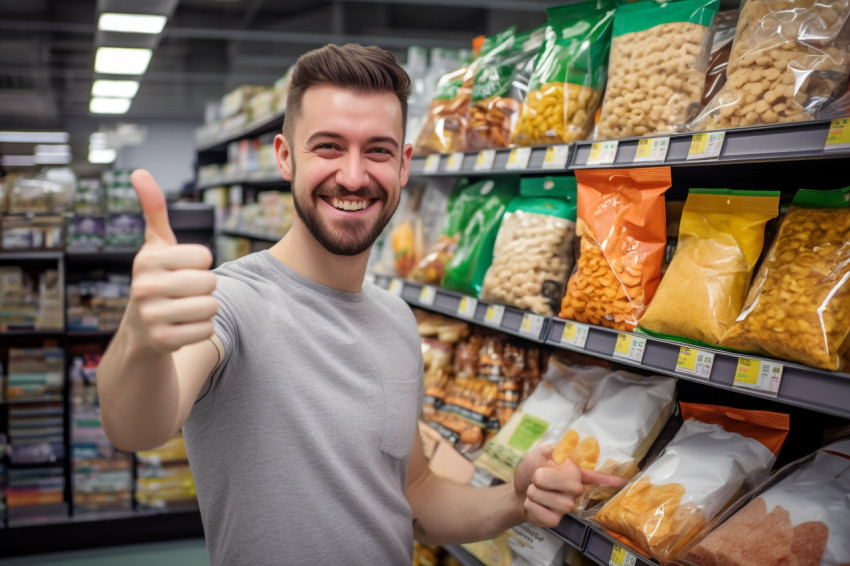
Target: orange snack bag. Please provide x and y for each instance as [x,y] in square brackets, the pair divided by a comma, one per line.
[622,226]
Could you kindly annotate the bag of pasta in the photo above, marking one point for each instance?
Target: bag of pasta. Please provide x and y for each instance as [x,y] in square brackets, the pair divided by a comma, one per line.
[444,127]
[789,58]
[533,253]
[717,452]
[721,236]
[799,305]
[569,75]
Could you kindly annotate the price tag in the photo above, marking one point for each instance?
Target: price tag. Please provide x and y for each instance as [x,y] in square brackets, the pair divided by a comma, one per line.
[706,145]
[621,557]
[652,149]
[518,158]
[602,153]
[454,162]
[427,295]
[694,362]
[370,277]
[575,334]
[556,157]
[839,134]
[467,306]
[630,347]
[760,375]
[432,163]
[485,159]
[494,314]
[396,286]
[532,325]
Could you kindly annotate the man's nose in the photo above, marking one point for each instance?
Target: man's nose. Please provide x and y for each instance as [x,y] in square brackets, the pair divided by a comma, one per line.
[352,172]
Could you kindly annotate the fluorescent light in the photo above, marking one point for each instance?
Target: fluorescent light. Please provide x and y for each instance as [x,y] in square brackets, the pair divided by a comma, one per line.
[17,160]
[120,89]
[122,60]
[52,158]
[109,105]
[53,149]
[131,23]
[102,155]
[97,140]
[34,137]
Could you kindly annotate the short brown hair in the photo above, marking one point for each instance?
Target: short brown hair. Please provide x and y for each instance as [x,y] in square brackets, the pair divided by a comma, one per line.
[352,66]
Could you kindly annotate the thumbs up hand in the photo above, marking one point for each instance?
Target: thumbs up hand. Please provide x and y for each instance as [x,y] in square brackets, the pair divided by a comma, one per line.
[171,291]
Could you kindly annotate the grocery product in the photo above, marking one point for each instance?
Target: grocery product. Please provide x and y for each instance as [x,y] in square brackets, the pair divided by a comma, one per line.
[656,70]
[798,307]
[533,253]
[444,127]
[569,75]
[721,48]
[622,228]
[721,235]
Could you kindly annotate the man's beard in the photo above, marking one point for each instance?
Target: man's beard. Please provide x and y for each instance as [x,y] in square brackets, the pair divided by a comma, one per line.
[351,238]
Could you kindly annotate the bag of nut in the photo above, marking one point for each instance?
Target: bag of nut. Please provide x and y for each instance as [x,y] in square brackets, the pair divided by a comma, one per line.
[721,236]
[444,127]
[789,58]
[623,232]
[798,307]
[656,70]
[569,75]
[533,253]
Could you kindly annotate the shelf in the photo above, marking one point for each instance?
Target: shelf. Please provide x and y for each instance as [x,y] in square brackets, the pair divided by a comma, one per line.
[31,334]
[90,333]
[255,180]
[31,255]
[799,385]
[572,531]
[37,401]
[250,236]
[539,159]
[462,555]
[254,129]
[604,550]
[100,255]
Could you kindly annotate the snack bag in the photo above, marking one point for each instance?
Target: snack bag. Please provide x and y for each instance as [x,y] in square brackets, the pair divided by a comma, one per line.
[407,239]
[533,252]
[798,307]
[788,59]
[656,71]
[622,228]
[444,127]
[721,47]
[716,452]
[721,235]
[556,402]
[569,75]
[624,416]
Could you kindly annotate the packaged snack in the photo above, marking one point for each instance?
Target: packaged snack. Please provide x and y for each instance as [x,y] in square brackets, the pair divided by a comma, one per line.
[533,252]
[789,58]
[444,127]
[721,47]
[702,469]
[798,307]
[624,416]
[622,228]
[721,235]
[569,75]
[407,239]
[656,71]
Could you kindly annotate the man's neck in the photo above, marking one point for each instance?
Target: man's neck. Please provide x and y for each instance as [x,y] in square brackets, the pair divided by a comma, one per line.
[299,251]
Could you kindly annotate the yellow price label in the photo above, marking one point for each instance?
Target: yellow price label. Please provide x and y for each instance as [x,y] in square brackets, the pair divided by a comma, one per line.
[569,332]
[698,144]
[747,371]
[432,163]
[644,149]
[839,132]
[621,557]
[624,343]
[595,152]
[687,359]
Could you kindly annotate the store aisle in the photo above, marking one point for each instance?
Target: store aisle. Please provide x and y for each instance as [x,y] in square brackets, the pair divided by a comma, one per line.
[191,552]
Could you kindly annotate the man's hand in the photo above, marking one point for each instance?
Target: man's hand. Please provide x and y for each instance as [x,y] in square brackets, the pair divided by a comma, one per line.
[546,491]
[172,303]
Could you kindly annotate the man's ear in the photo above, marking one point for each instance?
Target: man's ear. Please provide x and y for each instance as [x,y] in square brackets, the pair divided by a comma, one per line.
[283,156]
[406,154]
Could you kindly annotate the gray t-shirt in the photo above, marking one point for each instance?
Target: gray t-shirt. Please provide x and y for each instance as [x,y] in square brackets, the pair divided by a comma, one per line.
[299,441]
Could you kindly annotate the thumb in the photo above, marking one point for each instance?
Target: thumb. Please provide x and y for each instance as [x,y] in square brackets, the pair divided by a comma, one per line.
[592,477]
[157,228]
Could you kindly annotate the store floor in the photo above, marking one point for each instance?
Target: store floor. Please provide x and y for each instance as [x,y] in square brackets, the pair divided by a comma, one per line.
[190,552]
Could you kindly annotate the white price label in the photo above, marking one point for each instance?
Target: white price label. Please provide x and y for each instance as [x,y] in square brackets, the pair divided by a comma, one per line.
[556,157]
[427,295]
[432,163]
[454,162]
[485,159]
[630,347]
[706,145]
[494,314]
[838,136]
[518,158]
[467,306]
[652,149]
[396,286]
[760,375]
[602,153]
[692,361]
[621,557]
[575,334]
[532,325]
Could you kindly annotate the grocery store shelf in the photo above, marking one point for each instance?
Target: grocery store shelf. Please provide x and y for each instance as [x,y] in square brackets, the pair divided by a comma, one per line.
[250,236]
[253,129]
[539,159]
[90,333]
[101,255]
[31,334]
[462,555]
[263,179]
[573,531]
[31,255]
[604,550]
[30,401]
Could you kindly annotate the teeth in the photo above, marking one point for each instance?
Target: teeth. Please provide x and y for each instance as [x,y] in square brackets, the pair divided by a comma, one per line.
[349,205]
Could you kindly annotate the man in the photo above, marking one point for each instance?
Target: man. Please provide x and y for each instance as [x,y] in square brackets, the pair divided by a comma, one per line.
[297,385]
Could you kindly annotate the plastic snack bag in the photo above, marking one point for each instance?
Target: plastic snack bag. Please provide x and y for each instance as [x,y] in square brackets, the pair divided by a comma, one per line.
[789,58]
[699,472]
[624,416]
[803,518]
[721,235]
[533,252]
[656,71]
[444,127]
[569,75]
[798,307]
[621,223]
[721,47]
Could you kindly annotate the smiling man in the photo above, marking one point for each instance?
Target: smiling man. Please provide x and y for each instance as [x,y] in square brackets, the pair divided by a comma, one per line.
[297,385]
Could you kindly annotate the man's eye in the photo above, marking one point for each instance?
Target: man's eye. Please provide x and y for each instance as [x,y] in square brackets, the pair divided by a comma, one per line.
[326,146]
[381,151]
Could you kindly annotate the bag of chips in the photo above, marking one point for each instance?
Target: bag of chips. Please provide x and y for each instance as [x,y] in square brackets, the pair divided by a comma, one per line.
[444,127]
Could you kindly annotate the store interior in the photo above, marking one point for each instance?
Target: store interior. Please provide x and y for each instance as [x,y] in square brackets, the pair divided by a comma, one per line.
[626,233]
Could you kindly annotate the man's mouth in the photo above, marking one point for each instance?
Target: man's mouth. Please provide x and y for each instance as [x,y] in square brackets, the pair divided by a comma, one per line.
[355,204]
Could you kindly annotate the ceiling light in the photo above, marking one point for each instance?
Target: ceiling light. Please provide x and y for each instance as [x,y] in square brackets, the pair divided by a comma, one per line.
[102,155]
[17,160]
[52,149]
[122,60]
[97,141]
[131,23]
[34,137]
[120,89]
[52,159]
[109,105]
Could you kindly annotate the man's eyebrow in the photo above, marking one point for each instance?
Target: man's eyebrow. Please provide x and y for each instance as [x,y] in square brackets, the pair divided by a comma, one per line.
[333,135]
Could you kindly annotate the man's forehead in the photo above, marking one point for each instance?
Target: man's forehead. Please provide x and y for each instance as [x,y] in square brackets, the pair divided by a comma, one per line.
[328,103]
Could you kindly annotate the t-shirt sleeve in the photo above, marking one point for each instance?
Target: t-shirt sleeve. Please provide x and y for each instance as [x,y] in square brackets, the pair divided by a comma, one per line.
[225,328]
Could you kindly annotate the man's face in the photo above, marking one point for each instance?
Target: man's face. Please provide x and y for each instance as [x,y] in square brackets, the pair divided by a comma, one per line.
[347,149]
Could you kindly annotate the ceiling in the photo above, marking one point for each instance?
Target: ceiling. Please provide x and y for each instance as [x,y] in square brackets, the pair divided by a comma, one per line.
[207,48]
